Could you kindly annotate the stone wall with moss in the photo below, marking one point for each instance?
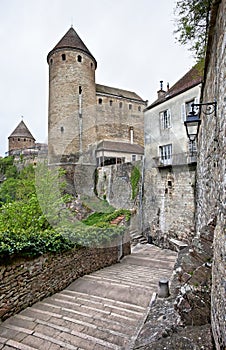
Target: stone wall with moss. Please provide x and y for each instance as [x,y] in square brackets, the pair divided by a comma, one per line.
[169,204]
[120,184]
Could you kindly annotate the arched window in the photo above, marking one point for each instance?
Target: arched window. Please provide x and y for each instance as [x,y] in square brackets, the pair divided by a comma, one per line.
[63,57]
[120,104]
[79,58]
[111,102]
[100,101]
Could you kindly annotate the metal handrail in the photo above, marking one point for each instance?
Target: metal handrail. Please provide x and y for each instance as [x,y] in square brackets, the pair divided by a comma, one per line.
[176,159]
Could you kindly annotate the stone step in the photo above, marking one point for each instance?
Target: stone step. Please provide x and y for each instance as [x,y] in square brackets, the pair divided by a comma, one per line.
[120,282]
[47,329]
[103,305]
[78,327]
[104,289]
[107,300]
[100,311]
[177,244]
[137,238]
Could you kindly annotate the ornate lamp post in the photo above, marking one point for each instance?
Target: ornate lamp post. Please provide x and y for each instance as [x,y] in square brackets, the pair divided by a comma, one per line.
[193,121]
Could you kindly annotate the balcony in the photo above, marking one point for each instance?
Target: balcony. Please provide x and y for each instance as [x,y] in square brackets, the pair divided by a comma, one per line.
[176,159]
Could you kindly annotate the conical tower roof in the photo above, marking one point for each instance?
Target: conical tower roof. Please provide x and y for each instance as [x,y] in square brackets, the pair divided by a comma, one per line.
[71,40]
[22,131]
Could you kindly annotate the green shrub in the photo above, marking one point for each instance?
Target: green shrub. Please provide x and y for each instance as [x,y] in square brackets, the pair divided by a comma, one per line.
[90,236]
[25,243]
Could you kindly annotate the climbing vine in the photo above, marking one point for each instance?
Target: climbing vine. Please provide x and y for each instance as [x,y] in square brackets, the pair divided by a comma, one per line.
[134,180]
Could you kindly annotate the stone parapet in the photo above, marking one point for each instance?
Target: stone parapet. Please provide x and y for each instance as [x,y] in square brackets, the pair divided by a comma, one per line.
[27,280]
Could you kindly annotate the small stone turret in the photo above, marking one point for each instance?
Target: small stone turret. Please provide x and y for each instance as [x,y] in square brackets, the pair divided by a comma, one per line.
[72,98]
[21,138]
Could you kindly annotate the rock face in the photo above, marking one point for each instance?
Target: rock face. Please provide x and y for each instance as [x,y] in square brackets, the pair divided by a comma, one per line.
[194,274]
[183,320]
[162,331]
[211,165]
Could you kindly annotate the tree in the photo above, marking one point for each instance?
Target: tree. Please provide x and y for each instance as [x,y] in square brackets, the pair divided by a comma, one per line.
[192,24]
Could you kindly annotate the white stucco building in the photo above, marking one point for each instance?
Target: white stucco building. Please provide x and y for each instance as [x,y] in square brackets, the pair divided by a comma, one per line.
[170,164]
[166,142]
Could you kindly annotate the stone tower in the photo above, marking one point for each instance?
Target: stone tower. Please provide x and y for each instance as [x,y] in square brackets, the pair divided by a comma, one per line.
[20,139]
[72,99]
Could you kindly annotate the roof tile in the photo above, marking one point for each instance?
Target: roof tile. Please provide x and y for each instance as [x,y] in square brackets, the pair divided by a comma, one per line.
[71,40]
[22,131]
[120,147]
[117,92]
[190,79]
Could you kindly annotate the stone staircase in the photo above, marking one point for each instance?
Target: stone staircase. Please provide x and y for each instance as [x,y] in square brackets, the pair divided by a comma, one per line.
[103,310]
[137,237]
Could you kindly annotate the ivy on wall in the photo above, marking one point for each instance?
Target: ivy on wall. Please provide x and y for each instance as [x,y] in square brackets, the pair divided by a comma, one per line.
[134,180]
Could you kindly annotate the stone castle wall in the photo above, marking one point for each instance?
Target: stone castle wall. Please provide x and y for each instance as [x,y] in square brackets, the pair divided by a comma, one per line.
[72,102]
[169,204]
[79,116]
[114,184]
[212,165]
[115,116]
[18,143]
[26,281]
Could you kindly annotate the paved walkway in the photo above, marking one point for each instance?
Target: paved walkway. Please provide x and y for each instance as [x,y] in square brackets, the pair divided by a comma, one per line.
[100,311]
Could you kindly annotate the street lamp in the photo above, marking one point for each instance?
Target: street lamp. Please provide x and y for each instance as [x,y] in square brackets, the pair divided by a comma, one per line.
[193,121]
[192,125]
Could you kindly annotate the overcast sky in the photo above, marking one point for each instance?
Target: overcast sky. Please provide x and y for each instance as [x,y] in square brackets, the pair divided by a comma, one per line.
[132,41]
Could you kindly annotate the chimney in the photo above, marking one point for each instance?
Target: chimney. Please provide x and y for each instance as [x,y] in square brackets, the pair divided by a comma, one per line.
[161,93]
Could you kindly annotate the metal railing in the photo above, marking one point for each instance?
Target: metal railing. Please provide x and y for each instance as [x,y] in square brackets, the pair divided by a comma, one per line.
[176,159]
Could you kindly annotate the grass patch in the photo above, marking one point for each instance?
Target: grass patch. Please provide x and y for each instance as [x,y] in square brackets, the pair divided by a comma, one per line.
[98,205]
[104,219]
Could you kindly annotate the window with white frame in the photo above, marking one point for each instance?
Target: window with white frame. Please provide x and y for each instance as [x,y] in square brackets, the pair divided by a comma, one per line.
[186,108]
[192,148]
[166,154]
[165,119]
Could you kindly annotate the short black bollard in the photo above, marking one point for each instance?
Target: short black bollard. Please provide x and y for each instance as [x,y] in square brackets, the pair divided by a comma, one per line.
[163,288]
[150,239]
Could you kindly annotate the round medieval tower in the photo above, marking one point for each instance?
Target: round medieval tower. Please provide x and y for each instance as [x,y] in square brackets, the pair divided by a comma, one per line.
[72,100]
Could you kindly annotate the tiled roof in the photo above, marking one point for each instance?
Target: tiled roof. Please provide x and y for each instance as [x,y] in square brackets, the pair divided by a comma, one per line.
[120,147]
[117,92]
[189,80]
[22,131]
[71,40]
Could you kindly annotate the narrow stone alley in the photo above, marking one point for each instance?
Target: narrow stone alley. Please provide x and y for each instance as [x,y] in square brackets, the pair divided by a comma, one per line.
[103,310]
